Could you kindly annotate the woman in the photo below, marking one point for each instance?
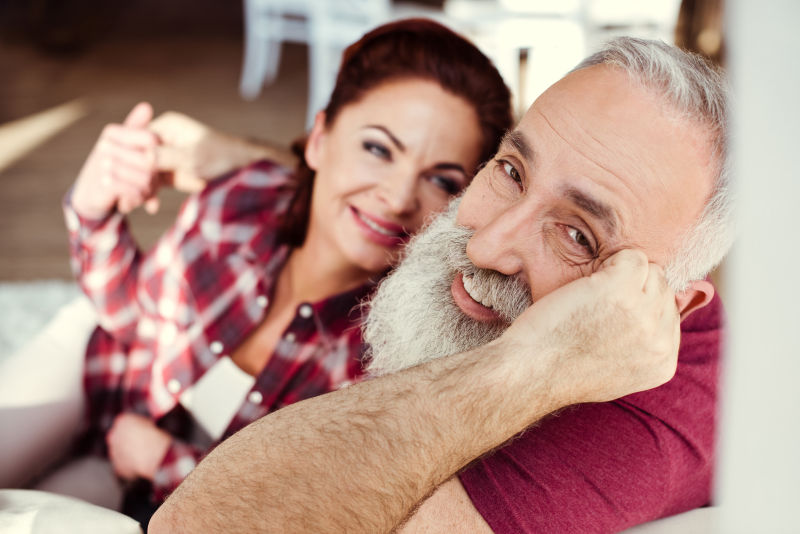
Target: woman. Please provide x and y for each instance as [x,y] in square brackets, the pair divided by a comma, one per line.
[249,302]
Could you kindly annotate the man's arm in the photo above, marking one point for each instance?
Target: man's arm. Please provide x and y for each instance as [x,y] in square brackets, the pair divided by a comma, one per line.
[449,509]
[362,458]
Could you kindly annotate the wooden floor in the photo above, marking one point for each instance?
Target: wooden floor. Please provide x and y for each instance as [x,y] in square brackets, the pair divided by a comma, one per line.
[197,75]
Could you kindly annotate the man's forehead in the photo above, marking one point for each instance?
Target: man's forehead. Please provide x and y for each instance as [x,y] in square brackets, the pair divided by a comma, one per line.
[617,154]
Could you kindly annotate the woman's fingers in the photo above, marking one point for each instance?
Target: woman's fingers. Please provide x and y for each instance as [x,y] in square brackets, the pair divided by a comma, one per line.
[143,159]
[140,116]
[130,137]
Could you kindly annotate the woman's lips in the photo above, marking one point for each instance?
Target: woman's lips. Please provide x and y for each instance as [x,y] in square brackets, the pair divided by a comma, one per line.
[378,230]
[470,306]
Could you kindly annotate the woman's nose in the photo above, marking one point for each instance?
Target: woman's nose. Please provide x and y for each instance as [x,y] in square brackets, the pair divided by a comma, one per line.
[400,193]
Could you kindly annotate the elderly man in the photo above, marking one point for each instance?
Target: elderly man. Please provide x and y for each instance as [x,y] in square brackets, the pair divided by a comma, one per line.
[615,173]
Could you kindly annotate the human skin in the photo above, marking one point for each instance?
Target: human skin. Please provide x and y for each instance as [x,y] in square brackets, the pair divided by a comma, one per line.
[388,157]
[364,456]
[604,324]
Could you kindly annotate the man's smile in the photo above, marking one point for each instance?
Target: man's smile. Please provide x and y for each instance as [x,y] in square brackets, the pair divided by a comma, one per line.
[469,297]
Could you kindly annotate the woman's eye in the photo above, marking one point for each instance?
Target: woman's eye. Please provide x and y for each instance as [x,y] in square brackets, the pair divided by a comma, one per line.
[580,239]
[446,184]
[377,149]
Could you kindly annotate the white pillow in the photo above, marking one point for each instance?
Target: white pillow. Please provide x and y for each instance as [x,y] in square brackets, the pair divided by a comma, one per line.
[41,394]
[38,512]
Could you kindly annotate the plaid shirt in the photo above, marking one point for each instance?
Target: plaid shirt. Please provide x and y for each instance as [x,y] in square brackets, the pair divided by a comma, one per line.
[167,316]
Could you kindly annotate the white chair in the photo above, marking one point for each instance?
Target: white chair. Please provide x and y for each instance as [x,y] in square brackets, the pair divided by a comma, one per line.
[326,26]
[334,25]
[268,23]
[546,37]
[38,512]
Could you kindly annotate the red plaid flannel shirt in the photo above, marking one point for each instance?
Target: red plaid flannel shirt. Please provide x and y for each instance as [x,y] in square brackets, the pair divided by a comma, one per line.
[167,316]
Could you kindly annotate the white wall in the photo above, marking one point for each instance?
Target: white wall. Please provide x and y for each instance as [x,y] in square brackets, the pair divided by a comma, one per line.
[758,484]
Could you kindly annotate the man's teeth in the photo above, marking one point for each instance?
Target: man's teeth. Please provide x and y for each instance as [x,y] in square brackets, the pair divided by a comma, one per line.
[476,291]
[375,226]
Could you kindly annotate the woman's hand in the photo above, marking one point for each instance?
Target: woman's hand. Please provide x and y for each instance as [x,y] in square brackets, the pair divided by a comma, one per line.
[121,169]
[136,446]
[191,152]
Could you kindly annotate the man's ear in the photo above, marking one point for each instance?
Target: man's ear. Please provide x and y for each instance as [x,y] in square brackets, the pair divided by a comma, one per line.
[313,150]
[698,294]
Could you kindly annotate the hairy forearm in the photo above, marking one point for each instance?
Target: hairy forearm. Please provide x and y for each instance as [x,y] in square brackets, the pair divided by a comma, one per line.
[360,459]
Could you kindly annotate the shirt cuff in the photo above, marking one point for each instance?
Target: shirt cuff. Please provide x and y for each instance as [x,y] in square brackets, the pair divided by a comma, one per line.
[179,460]
[94,233]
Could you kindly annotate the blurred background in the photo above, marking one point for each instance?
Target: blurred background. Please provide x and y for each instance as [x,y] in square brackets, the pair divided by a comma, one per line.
[258,68]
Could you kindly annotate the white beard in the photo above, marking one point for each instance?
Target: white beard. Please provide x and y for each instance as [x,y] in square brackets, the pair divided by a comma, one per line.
[413,317]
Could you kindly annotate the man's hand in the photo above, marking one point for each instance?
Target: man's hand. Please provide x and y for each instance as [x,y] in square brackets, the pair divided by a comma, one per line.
[136,446]
[610,334]
[120,171]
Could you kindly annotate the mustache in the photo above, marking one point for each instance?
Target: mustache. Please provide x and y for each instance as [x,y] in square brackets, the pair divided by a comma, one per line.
[510,294]
[413,318]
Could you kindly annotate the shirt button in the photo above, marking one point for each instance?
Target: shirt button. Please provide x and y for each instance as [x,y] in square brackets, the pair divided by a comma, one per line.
[168,308]
[255,397]
[168,335]
[146,328]
[305,311]
[216,347]
[173,386]
[290,337]
[262,301]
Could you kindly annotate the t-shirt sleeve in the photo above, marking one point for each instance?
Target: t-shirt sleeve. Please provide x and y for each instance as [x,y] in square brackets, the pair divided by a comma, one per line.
[605,467]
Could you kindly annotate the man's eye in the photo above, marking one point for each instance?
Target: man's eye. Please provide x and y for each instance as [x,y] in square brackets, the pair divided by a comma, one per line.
[511,171]
[580,239]
[377,149]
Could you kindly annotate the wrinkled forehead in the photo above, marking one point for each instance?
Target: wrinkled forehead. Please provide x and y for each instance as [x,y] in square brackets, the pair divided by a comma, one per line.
[599,132]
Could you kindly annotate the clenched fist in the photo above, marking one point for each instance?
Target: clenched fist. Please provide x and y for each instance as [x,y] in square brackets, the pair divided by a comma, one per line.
[604,336]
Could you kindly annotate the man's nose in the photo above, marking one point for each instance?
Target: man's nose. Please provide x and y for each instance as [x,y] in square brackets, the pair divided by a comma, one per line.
[400,192]
[499,240]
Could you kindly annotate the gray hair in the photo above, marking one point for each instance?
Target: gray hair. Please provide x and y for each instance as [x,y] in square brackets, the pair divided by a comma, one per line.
[697,91]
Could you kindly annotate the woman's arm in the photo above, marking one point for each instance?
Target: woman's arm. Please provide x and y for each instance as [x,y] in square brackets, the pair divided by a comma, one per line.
[125,170]
[118,176]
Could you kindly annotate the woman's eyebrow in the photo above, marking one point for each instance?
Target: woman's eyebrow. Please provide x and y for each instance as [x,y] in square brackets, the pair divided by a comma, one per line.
[400,146]
[449,167]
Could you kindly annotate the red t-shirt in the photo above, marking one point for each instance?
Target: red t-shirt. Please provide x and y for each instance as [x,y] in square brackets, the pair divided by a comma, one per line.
[608,466]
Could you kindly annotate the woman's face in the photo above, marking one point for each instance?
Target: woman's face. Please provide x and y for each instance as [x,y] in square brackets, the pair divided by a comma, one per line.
[386,164]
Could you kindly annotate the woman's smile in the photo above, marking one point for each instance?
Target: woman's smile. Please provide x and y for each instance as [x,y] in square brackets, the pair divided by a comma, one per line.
[379,230]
